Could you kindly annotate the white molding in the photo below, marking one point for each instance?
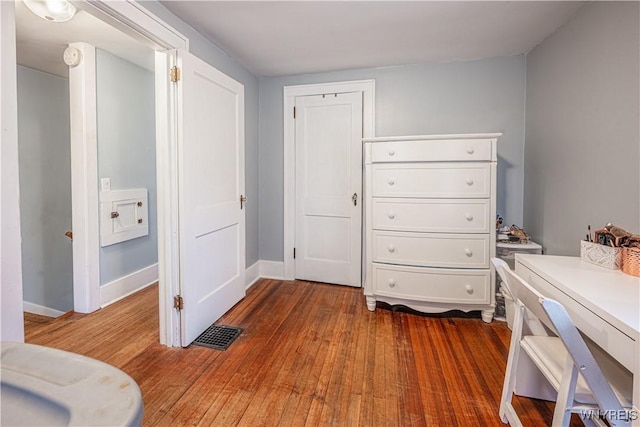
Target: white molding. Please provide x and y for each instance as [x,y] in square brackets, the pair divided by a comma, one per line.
[84,181]
[167,194]
[367,87]
[30,307]
[11,322]
[272,270]
[127,285]
[143,25]
[252,275]
[136,21]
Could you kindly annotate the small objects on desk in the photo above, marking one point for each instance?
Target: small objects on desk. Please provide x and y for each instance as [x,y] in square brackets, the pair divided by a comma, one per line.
[512,234]
[609,248]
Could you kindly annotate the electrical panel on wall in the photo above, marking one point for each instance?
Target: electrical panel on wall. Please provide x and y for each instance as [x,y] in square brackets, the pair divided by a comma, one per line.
[124,215]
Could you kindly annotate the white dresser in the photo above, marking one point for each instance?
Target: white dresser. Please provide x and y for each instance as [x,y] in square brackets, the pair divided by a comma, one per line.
[430,209]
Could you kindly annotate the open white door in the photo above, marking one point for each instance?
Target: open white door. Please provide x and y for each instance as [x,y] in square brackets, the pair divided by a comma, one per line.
[211,184]
[328,146]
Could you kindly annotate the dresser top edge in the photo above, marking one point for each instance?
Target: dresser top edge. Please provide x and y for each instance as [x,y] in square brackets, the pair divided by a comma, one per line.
[432,137]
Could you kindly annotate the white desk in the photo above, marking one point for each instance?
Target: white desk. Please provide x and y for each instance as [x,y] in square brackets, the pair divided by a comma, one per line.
[604,304]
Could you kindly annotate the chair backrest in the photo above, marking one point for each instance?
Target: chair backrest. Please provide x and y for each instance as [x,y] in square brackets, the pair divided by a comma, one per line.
[501,268]
[557,319]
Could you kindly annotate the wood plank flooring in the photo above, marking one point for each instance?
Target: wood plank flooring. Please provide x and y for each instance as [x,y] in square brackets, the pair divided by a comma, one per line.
[310,355]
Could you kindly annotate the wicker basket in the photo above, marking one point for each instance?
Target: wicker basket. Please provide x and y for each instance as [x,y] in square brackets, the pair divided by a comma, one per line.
[631,261]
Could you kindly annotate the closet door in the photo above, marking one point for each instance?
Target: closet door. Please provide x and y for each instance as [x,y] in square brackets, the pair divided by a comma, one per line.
[328,132]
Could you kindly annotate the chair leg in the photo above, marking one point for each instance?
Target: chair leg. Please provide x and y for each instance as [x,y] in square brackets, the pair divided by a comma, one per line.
[509,385]
[561,413]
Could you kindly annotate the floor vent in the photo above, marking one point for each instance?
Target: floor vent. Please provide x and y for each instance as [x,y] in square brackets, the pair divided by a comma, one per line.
[218,337]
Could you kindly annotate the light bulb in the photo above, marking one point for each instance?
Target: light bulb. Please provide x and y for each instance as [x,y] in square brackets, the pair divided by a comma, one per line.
[52,10]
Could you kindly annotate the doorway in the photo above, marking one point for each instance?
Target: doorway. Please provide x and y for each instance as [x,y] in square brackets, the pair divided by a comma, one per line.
[125,112]
[321,104]
[157,35]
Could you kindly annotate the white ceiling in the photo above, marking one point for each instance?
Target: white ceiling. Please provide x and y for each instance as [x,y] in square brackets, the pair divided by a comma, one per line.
[40,43]
[275,38]
[295,37]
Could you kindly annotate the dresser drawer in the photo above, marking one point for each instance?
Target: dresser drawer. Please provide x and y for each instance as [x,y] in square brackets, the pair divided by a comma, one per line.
[472,150]
[432,180]
[431,250]
[433,284]
[432,215]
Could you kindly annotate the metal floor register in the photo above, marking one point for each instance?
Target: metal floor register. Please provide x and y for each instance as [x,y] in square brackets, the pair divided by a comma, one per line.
[218,337]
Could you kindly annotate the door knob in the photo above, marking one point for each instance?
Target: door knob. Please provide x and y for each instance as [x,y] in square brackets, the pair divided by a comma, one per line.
[243,200]
[354,198]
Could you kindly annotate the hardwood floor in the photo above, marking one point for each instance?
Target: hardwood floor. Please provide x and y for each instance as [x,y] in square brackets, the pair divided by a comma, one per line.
[310,354]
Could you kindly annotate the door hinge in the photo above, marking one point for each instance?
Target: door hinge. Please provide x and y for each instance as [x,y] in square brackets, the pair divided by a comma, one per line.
[178,302]
[175,74]
[294,112]
[294,253]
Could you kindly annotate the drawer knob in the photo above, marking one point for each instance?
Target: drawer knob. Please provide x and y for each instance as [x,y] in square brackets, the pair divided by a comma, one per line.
[468,252]
[469,289]
[391,152]
[469,217]
[469,182]
[392,248]
[392,283]
[391,215]
[391,182]
[470,150]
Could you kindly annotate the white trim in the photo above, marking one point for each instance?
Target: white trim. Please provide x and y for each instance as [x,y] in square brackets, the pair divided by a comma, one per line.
[136,21]
[367,87]
[127,285]
[84,181]
[167,194]
[30,307]
[272,270]
[144,25]
[252,275]
[11,321]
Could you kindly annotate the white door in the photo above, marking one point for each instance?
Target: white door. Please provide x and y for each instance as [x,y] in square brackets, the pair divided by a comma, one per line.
[211,183]
[328,132]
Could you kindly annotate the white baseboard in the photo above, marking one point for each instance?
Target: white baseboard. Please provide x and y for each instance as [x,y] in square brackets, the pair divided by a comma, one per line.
[252,275]
[30,307]
[126,285]
[272,269]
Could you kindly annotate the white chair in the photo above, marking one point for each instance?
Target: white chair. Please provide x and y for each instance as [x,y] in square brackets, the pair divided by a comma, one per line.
[564,359]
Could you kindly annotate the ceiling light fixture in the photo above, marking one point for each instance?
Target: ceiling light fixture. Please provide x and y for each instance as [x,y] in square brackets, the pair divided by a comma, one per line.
[52,10]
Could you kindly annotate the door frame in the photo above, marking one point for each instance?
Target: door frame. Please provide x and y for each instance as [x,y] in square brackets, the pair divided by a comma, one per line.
[143,25]
[367,88]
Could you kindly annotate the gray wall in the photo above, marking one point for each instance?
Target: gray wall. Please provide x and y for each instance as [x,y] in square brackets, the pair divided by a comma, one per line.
[582,133]
[127,154]
[210,53]
[45,188]
[436,98]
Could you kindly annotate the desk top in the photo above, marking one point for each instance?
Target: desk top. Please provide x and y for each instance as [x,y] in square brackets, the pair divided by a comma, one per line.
[611,294]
